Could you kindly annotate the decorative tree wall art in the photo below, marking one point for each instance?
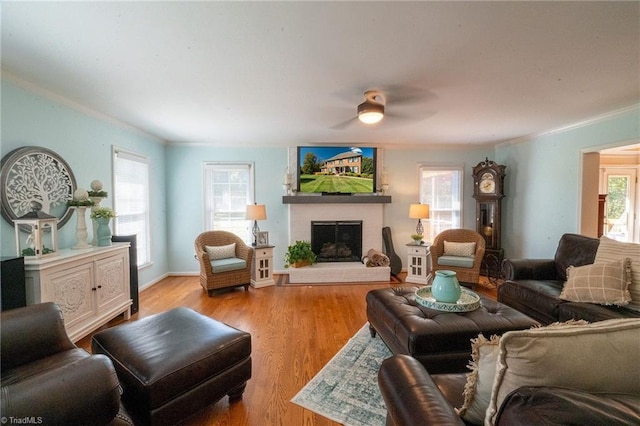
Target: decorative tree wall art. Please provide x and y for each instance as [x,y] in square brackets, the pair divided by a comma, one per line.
[35,174]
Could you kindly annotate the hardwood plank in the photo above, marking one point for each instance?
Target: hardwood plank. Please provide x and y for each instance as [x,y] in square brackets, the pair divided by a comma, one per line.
[295,331]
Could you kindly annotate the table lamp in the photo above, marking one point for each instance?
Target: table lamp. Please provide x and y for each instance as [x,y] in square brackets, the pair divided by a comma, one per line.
[256,212]
[419,211]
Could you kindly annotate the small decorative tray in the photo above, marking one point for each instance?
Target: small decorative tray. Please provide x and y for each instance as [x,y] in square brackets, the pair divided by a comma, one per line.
[469,301]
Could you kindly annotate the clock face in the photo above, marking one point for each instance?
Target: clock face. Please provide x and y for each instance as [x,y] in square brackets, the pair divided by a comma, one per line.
[487,183]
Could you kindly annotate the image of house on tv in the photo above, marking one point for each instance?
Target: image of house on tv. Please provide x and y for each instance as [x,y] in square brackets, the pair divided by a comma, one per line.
[346,162]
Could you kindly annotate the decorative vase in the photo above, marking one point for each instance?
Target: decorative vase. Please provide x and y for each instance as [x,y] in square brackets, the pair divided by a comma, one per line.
[445,287]
[96,205]
[103,231]
[301,264]
[81,229]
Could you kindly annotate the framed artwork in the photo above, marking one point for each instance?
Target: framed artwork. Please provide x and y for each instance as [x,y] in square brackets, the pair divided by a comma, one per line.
[263,239]
[33,175]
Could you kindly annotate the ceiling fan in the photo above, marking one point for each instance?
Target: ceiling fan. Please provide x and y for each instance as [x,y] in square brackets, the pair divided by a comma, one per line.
[373,109]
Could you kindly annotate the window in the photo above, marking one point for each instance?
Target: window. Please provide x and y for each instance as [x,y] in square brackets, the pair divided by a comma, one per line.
[131,200]
[620,203]
[228,188]
[441,188]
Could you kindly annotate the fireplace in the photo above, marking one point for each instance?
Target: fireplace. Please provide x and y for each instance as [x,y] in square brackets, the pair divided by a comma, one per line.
[337,241]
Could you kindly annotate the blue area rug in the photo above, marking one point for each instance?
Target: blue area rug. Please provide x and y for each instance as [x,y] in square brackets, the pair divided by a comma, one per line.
[346,389]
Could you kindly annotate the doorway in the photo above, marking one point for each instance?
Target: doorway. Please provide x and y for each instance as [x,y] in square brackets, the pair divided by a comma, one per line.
[611,173]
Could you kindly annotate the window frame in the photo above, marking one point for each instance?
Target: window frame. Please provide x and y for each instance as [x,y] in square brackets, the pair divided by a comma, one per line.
[250,165]
[143,159]
[431,230]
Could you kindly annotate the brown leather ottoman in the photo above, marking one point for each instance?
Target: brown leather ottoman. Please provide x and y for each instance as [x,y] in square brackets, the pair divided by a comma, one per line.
[174,364]
[441,341]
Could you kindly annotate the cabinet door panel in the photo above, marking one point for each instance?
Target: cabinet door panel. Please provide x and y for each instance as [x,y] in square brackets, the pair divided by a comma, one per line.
[72,289]
[111,280]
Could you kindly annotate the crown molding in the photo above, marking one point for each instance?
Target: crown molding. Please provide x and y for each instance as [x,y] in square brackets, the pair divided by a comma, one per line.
[582,123]
[45,93]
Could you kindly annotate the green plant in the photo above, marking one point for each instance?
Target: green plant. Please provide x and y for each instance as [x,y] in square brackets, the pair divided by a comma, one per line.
[416,237]
[102,212]
[102,194]
[299,252]
[80,203]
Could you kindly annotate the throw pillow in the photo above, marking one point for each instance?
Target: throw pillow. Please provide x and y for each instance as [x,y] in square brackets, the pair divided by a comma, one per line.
[597,357]
[604,283]
[477,391]
[221,252]
[459,249]
[610,250]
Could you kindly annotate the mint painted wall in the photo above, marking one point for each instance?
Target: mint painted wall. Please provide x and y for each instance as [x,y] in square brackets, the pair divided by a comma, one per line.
[543,182]
[85,142]
[402,165]
[185,192]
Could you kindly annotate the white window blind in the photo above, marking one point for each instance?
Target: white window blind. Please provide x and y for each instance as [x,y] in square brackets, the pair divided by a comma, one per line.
[228,190]
[441,188]
[131,200]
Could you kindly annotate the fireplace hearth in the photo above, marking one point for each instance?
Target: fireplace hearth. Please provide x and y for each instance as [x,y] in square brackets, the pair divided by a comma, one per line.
[337,241]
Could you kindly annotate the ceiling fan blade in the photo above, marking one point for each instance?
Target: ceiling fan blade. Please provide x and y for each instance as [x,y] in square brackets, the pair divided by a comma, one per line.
[345,124]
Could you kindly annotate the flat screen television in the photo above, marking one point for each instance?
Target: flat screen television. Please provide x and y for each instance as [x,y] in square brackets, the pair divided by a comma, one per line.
[336,170]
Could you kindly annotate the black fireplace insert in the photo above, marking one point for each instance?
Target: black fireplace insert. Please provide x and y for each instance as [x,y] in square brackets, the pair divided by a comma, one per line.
[337,241]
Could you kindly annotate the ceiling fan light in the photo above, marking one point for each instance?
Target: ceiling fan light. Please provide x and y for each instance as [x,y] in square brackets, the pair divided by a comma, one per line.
[369,113]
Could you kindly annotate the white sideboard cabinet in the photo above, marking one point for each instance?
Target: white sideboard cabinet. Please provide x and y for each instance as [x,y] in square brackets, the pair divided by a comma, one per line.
[90,285]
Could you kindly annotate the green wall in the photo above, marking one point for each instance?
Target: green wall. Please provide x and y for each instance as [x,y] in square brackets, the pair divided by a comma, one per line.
[542,183]
[85,141]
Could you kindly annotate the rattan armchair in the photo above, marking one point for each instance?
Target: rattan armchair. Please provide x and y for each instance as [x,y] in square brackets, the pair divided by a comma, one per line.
[212,279]
[465,275]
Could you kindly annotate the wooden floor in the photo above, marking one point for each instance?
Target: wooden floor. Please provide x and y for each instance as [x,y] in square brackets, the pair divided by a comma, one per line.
[295,331]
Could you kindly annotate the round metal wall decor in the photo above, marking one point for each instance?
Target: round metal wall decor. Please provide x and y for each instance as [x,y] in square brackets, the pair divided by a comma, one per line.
[33,174]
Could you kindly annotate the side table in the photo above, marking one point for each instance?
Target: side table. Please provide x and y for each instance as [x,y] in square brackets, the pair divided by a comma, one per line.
[419,264]
[262,267]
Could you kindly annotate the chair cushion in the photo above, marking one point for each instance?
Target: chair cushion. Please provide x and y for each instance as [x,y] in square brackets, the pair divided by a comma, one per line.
[459,249]
[610,250]
[603,283]
[548,357]
[221,252]
[230,264]
[458,261]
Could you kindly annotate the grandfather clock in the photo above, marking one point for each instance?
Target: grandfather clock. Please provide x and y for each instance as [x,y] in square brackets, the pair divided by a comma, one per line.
[488,190]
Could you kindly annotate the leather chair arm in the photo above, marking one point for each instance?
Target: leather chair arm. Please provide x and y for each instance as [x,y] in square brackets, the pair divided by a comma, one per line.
[85,392]
[411,396]
[529,269]
[31,333]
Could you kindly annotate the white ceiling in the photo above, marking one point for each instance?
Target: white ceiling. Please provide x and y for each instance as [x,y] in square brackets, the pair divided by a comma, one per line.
[287,73]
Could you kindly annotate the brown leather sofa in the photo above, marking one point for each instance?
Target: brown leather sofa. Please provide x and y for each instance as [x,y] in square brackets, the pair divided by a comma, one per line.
[49,380]
[533,286]
[415,398]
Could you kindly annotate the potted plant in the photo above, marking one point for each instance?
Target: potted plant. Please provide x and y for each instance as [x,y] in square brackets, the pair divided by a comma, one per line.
[103,212]
[102,215]
[299,254]
[417,238]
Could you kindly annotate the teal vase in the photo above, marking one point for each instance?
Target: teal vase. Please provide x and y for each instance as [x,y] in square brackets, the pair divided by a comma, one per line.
[445,287]
[103,231]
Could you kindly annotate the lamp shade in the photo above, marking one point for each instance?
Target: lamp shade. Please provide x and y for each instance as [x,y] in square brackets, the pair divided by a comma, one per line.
[419,211]
[256,212]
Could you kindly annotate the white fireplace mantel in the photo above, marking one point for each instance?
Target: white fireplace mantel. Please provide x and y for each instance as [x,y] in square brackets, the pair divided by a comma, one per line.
[371,215]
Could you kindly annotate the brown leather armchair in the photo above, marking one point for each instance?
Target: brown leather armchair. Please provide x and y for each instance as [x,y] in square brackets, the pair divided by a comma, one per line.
[47,378]
[223,272]
[469,274]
